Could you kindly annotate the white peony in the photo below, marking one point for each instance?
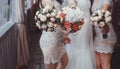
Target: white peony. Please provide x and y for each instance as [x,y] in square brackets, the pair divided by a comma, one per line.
[37,12]
[38,22]
[43,18]
[44,10]
[103,11]
[44,26]
[53,14]
[50,24]
[107,14]
[52,19]
[55,11]
[99,17]
[38,25]
[48,15]
[101,24]
[39,15]
[96,18]
[108,19]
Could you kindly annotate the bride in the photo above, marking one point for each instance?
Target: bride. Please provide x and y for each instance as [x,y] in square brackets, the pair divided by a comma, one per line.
[80,50]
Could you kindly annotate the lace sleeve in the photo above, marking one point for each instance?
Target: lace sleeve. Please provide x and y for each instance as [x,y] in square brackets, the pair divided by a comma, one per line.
[111,35]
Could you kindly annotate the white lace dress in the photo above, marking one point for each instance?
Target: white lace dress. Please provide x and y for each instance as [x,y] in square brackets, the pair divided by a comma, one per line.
[103,45]
[52,45]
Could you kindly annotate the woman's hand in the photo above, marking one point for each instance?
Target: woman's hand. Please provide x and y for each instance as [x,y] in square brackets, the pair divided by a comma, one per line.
[67,40]
[105,29]
[67,31]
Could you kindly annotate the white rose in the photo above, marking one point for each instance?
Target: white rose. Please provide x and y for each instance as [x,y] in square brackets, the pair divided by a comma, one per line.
[101,24]
[52,19]
[44,10]
[37,12]
[108,19]
[53,14]
[38,22]
[55,11]
[38,25]
[107,14]
[39,15]
[44,26]
[103,11]
[43,18]
[50,24]
[95,24]
[48,15]
[96,18]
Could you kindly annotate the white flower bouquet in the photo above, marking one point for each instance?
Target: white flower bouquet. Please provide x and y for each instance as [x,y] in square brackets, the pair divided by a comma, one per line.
[46,18]
[71,18]
[100,19]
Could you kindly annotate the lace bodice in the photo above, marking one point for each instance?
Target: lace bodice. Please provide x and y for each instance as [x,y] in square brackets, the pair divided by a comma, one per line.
[52,38]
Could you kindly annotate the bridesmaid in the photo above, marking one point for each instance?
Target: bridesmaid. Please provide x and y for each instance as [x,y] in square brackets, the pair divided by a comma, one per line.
[52,44]
[103,47]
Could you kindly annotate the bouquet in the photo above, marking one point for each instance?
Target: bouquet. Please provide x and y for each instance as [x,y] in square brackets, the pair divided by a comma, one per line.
[47,18]
[71,19]
[100,19]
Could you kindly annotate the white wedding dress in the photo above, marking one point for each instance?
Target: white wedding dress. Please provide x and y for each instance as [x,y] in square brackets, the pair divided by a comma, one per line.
[80,50]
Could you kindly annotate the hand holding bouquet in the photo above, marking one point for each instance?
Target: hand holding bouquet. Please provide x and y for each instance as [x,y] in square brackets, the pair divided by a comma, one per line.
[100,19]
